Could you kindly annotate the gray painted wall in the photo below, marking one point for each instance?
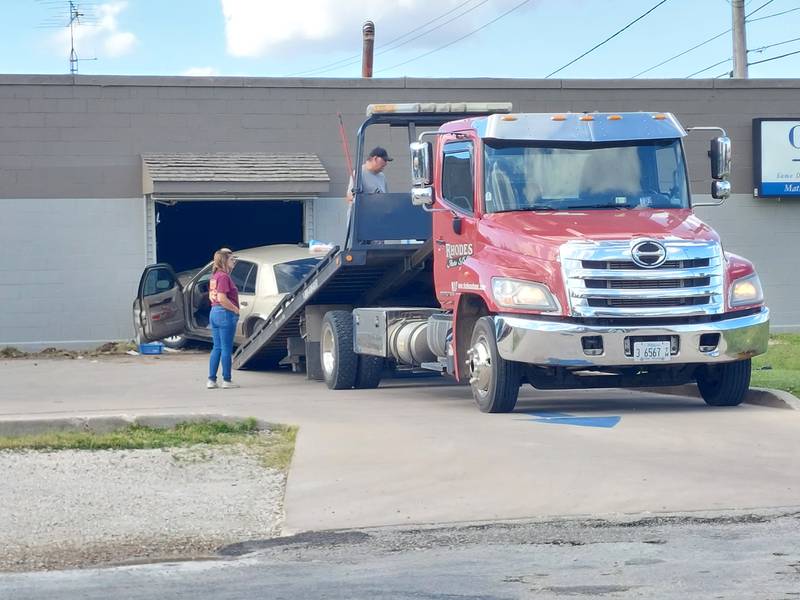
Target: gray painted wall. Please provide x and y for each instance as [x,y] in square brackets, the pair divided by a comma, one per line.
[64,137]
[70,270]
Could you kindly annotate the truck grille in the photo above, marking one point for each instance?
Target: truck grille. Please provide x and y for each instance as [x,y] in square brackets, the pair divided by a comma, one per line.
[603,280]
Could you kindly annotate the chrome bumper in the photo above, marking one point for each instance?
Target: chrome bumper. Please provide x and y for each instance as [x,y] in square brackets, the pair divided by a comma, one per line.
[532,341]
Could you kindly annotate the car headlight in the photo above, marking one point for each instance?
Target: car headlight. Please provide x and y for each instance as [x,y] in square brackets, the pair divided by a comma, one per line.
[746,290]
[513,293]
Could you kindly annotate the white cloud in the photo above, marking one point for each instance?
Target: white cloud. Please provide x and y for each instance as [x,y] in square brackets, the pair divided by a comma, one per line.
[256,28]
[201,72]
[119,44]
[99,33]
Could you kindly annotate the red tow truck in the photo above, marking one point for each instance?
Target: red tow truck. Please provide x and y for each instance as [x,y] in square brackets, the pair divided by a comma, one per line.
[558,250]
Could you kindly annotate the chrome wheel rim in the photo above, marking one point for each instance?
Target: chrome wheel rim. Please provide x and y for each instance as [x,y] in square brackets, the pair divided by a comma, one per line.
[479,360]
[328,351]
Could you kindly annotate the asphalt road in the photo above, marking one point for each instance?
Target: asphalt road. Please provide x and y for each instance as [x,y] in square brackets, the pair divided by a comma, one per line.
[696,556]
[418,452]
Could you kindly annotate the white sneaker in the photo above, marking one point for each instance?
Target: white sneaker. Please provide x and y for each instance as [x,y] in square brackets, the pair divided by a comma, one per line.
[229,385]
[211,385]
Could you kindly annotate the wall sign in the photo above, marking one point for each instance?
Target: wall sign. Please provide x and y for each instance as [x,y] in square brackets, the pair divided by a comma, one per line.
[776,157]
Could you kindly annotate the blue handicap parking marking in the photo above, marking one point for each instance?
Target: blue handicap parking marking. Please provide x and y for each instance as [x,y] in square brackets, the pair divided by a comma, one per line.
[555,418]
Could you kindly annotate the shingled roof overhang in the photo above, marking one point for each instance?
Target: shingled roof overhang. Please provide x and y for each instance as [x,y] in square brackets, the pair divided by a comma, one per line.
[233,176]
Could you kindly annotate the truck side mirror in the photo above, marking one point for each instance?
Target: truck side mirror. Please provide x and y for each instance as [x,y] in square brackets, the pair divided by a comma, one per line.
[421,165]
[720,189]
[422,196]
[720,154]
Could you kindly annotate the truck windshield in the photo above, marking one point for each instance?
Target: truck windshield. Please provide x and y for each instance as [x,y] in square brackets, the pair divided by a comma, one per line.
[643,174]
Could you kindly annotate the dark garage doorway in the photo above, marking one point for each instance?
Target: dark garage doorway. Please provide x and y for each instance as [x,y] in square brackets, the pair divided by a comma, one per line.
[189,232]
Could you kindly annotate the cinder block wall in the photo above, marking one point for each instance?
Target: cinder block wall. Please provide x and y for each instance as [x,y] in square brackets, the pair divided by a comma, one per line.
[63,137]
[70,271]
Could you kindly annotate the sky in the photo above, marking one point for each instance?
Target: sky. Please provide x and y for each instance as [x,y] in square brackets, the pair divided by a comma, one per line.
[414,38]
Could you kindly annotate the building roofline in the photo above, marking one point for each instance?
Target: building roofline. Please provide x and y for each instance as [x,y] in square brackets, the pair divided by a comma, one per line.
[391,83]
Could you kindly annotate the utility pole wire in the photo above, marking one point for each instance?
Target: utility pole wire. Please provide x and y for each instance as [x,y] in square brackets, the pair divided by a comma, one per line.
[752,63]
[711,39]
[484,26]
[752,12]
[772,15]
[385,47]
[758,62]
[719,35]
[708,68]
[608,39]
[762,48]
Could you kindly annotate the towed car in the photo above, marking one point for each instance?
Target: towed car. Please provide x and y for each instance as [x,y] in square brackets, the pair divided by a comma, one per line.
[175,307]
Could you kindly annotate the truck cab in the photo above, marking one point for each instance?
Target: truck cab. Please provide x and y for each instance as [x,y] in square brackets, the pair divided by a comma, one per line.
[566,248]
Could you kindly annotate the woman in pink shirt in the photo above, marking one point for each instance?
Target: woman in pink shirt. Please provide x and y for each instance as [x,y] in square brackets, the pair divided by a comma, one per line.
[224,315]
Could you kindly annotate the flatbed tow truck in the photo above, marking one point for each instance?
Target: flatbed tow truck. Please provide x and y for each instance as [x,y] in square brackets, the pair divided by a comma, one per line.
[559,250]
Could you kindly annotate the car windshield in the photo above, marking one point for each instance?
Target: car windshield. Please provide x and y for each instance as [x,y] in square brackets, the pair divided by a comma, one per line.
[288,275]
[523,176]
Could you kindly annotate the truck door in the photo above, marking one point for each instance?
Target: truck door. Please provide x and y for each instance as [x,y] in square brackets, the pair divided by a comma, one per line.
[158,311]
[454,228]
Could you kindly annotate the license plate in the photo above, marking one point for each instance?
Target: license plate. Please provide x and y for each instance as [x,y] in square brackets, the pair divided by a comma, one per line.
[651,351]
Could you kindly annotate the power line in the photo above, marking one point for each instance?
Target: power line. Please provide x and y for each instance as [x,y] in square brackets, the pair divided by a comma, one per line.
[384,50]
[708,68]
[752,12]
[455,41]
[752,63]
[682,53]
[711,39]
[639,18]
[386,47]
[773,15]
[758,62]
[762,48]
[778,14]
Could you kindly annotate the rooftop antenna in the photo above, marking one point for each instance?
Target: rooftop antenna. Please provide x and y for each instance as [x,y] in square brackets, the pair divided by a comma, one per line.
[78,15]
[74,17]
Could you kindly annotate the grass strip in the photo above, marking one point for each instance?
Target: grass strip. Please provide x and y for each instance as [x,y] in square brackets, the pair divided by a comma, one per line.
[274,448]
[779,368]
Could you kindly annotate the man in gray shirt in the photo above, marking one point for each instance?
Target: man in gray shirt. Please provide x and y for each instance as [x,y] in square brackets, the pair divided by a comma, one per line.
[373,181]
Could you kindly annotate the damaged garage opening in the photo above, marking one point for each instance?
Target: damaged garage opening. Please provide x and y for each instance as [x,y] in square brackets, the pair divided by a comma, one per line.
[198,203]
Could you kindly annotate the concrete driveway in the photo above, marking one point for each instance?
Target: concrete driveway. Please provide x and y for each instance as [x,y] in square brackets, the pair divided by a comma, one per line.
[419,451]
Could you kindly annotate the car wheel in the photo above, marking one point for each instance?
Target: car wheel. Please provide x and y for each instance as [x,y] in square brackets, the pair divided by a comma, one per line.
[252,325]
[339,361]
[176,342]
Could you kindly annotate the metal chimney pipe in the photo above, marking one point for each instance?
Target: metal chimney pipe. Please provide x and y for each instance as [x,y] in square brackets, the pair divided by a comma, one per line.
[368,31]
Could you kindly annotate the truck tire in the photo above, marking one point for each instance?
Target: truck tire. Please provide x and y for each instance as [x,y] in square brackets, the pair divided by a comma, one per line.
[725,384]
[370,371]
[338,360]
[494,381]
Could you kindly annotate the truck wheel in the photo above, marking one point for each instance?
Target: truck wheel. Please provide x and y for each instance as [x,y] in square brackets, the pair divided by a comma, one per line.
[370,371]
[494,380]
[725,384]
[339,361]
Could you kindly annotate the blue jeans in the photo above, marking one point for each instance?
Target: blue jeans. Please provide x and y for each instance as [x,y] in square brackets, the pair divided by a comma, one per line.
[223,328]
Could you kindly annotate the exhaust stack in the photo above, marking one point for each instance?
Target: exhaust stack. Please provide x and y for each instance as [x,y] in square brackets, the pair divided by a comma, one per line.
[368,32]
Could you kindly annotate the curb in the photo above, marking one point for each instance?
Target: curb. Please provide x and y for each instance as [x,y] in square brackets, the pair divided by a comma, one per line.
[21,427]
[759,396]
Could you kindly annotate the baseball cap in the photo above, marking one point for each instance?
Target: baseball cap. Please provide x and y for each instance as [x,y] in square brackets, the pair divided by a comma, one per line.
[380,153]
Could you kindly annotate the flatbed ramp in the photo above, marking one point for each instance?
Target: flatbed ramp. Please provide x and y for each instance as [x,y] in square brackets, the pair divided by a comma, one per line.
[385,259]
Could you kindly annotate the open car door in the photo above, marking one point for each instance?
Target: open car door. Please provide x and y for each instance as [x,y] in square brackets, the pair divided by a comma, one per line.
[158,311]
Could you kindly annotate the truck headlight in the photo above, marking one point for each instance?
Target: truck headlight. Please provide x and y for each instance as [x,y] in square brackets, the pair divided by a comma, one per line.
[746,290]
[513,293]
